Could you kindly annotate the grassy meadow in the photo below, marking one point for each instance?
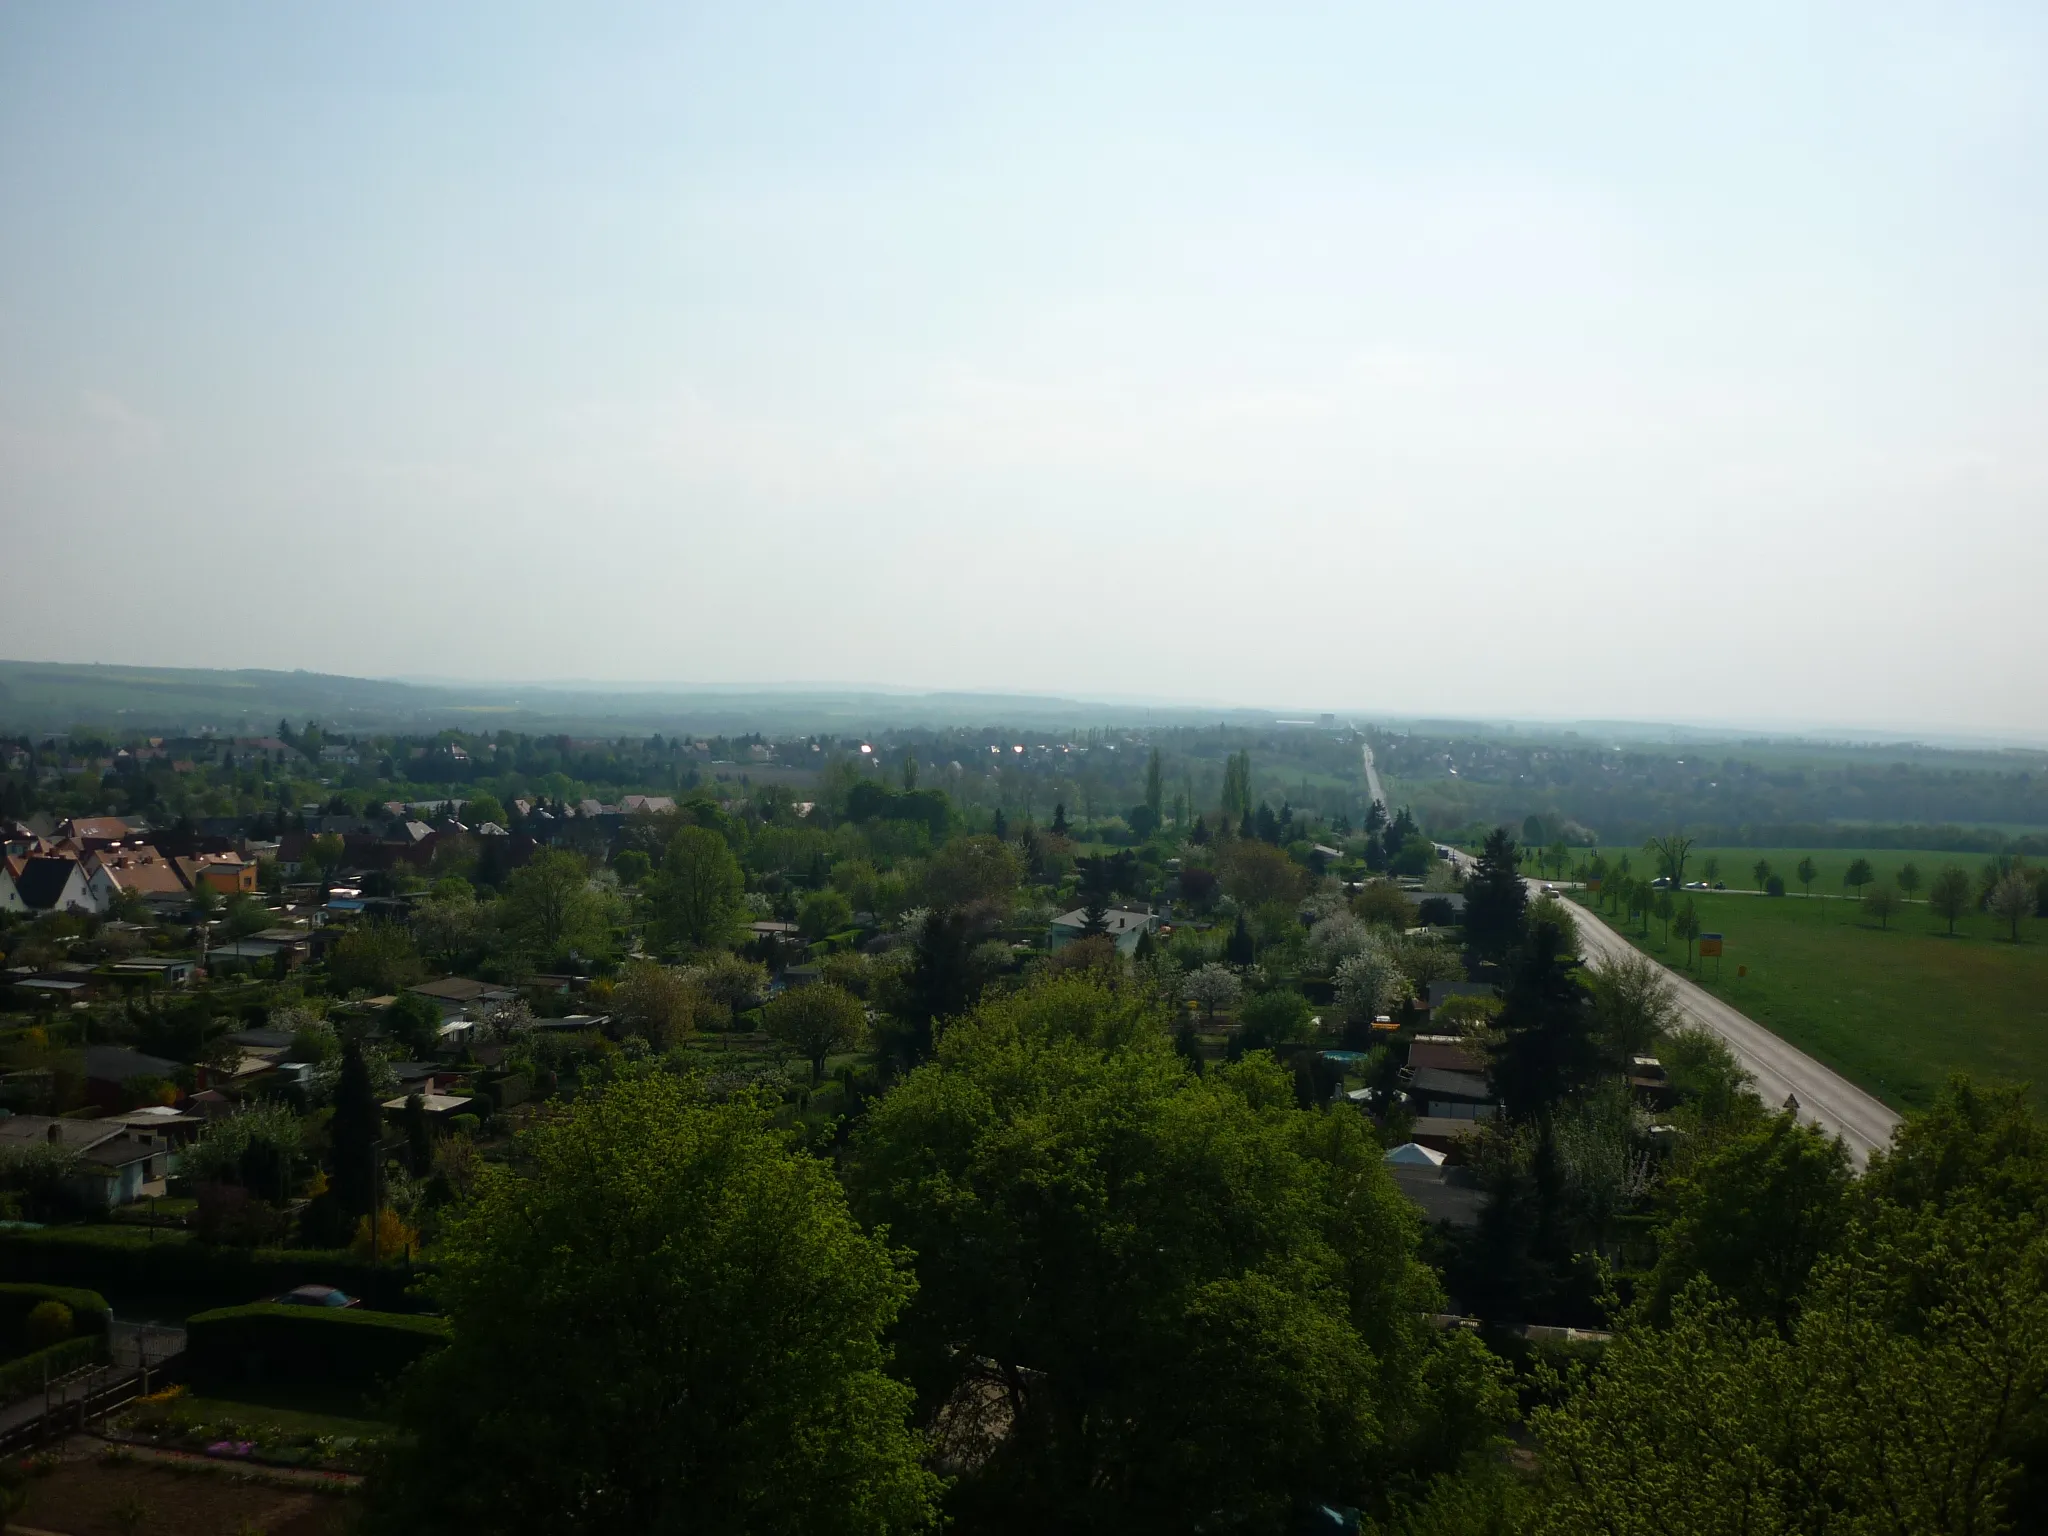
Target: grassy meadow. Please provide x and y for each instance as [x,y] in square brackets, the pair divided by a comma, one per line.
[1895,1010]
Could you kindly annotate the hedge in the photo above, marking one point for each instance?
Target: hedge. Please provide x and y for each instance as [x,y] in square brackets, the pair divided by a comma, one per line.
[203,1276]
[90,1313]
[275,1342]
[20,1377]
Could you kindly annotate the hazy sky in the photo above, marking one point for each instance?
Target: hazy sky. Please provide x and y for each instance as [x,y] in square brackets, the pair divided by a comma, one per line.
[1561,360]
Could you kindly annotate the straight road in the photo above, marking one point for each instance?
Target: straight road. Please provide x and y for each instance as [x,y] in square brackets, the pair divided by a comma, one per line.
[1372,782]
[1826,1098]
[1781,1070]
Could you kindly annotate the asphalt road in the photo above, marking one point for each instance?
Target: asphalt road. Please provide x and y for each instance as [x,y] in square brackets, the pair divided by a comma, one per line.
[1826,1098]
[1372,780]
[1782,1071]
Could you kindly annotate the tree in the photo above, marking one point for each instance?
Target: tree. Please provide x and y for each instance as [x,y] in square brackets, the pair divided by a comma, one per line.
[1495,898]
[1191,1304]
[815,1021]
[356,1136]
[970,870]
[1881,903]
[664,1320]
[1155,787]
[909,771]
[1371,984]
[325,854]
[375,957]
[1255,873]
[1059,818]
[1687,926]
[1212,987]
[660,1003]
[1237,786]
[1909,880]
[1633,1007]
[1710,869]
[1762,870]
[696,893]
[1281,1016]
[549,905]
[1672,850]
[1949,895]
[1858,875]
[823,912]
[1808,872]
[1239,949]
[1755,1216]
[2012,899]
[1548,1047]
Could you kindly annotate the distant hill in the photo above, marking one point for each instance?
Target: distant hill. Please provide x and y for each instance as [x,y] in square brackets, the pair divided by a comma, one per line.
[43,697]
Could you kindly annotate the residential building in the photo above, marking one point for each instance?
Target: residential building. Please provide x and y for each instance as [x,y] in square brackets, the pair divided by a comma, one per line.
[1121,925]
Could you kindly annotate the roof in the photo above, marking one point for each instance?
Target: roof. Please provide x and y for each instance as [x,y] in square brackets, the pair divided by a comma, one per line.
[118,1064]
[95,827]
[435,1103]
[1458,1085]
[459,989]
[1414,1155]
[1445,1057]
[72,1135]
[1117,921]
[42,879]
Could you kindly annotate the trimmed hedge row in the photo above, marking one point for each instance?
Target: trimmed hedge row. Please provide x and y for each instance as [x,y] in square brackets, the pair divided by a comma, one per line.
[274,1342]
[201,1275]
[90,1313]
[20,1377]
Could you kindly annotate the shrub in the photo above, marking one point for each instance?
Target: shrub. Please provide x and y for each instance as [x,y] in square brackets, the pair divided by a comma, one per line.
[343,1345]
[49,1322]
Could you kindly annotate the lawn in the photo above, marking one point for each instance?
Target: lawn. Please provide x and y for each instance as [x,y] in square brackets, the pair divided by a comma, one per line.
[1896,1009]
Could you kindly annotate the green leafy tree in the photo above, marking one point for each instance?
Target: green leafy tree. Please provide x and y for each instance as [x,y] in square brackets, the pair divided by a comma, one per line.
[325,854]
[1755,1216]
[1948,896]
[1808,872]
[970,870]
[1687,926]
[662,1003]
[1909,880]
[1193,1304]
[1495,898]
[823,912]
[1881,903]
[375,957]
[550,906]
[1155,787]
[815,1021]
[1858,875]
[665,1320]
[1710,869]
[1762,870]
[1634,1007]
[1237,785]
[696,893]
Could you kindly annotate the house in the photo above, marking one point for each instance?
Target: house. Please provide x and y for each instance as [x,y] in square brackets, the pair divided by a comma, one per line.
[110,1163]
[1442,1192]
[54,883]
[223,873]
[92,833]
[459,994]
[137,868]
[114,1072]
[1122,926]
[650,805]
[169,973]
[440,1107]
[10,894]
[1441,1095]
[1448,1053]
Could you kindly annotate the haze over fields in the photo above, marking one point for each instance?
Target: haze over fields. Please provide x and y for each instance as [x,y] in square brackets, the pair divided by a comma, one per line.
[1582,362]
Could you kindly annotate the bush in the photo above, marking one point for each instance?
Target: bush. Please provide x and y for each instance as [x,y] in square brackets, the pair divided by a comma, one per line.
[49,1322]
[20,1377]
[21,1307]
[1775,886]
[272,1341]
[194,1273]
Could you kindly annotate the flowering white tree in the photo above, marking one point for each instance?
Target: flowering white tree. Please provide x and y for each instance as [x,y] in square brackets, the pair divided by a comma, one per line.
[1371,982]
[1213,986]
[1336,939]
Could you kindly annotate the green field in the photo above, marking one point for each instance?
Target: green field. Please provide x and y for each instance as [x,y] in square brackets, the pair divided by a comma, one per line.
[1895,1010]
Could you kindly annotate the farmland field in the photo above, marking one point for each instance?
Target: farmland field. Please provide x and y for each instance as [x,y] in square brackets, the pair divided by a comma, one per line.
[1895,1010]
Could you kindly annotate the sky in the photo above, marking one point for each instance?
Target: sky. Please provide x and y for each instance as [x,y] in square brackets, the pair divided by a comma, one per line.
[1559,361]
